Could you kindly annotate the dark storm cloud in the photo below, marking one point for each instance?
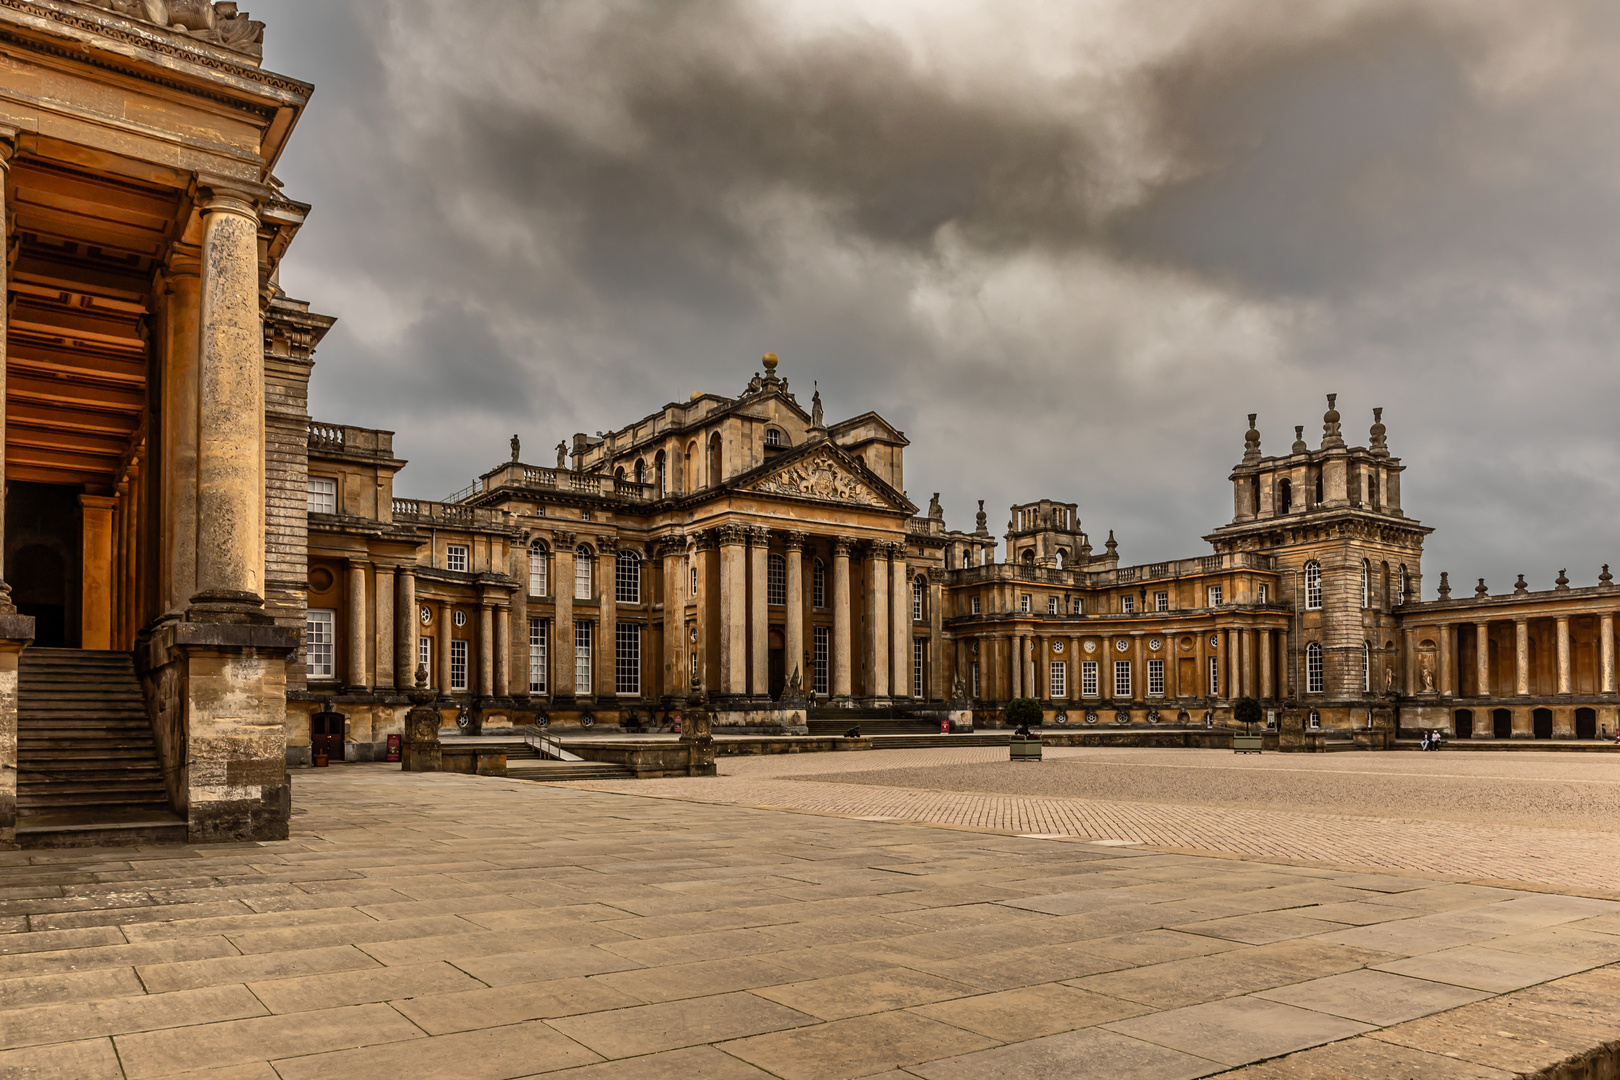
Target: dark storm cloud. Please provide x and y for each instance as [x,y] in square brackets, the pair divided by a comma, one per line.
[1066,248]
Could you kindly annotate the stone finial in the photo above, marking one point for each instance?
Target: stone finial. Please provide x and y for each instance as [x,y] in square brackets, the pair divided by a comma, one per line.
[1605,579]
[1251,442]
[1520,588]
[1445,586]
[1561,584]
[1331,437]
[1299,446]
[1377,434]
[982,521]
[1085,548]
[1480,591]
[1112,546]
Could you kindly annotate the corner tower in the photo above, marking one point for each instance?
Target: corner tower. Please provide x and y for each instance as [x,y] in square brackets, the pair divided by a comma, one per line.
[1346,553]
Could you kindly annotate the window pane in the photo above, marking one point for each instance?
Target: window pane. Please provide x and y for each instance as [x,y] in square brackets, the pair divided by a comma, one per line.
[424,656]
[1060,679]
[918,650]
[582,575]
[775,580]
[627,582]
[1156,677]
[1214,676]
[319,643]
[1088,678]
[456,558]
[582,658]
[916,601]
[818,585]
[820,655]
[627,659]
[537,571]
[537,656]
[322,496]
[1122,678]
[458,664]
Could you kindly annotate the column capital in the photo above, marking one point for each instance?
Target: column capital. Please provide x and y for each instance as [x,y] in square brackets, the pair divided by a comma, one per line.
[758,536]
[671,545]
[8,147]
[607,543]
[563,538]
[705,540]
[842,546]
[731,535]
[793,540]
[357,562]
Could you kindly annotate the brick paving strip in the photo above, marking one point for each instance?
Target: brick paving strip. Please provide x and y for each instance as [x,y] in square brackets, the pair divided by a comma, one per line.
[440,925]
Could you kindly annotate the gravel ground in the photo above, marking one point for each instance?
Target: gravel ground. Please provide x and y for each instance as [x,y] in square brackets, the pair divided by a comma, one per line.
[1548,790]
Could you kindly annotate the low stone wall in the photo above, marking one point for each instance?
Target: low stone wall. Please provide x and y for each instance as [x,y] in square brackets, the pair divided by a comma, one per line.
[16,631]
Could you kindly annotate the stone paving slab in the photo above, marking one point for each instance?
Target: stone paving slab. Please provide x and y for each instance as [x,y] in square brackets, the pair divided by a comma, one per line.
[541,930]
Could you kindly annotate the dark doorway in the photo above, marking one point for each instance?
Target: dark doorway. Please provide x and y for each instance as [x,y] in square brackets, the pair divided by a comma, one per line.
[1541,721]
[1586,723]
[778,677]
[1465,723]
[326,735]
[40,591]
[1502,723]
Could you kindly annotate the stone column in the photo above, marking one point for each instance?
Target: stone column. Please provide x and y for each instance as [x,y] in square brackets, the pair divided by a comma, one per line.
[8,753]
[357,626]
[1267,692]
[1234,666]
[486,649]
[877,649]
[1200,687]
[1409,667]
[1563,654]
[1606,652]
[672,549]
[840,633]
[444,617]
[1246,661]
[939,688]
[793,644]
[515,656]
[1482,662]
[759,614]
[900,621]
[1448,667]
[409,627]
[562,635]
[1521,638]
[95,593]
[230,414]
[1015,654]
[384,634]
[605,654]
[733,610]
[182,282]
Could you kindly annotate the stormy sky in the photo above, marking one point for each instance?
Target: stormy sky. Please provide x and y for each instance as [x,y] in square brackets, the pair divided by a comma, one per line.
[1066,247]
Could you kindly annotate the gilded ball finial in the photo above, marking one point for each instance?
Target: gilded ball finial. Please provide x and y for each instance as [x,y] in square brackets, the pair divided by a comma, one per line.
[770,361]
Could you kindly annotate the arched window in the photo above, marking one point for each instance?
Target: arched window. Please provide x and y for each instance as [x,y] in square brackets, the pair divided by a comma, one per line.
[774,437]
[818,584]
[917,590]
[688,478]
[582,573]
[618,474]
[1029,556]
[1366,667]
[1400,586]
[1313,668]
[1313,586]
[1383,585]
[714,459]
[1366,584]
[641,470]
[660,475]
[537,569]
[1285,497]
[775,580]
[627,578]
[1062,558]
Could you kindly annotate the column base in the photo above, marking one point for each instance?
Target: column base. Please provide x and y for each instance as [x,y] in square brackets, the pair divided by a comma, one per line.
[227,606]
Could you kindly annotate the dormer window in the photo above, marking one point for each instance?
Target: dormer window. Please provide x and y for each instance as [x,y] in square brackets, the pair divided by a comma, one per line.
[773,437]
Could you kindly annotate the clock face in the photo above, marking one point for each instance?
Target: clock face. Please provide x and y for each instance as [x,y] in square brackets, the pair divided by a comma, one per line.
[1091,646]
[1154,643]
[426,615]
[1057,646]
[1121,645]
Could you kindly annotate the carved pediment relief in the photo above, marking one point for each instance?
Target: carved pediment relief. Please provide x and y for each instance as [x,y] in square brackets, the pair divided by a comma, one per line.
[823,478]
[217,23]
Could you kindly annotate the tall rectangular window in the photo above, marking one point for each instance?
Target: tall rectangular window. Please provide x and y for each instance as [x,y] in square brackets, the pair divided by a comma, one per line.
[822,676]
[1214,596]
[818,585]
[916,601]
[1214,676]
[1060,678]
[455,558]
[973,669]
[1313,668]
[320,643]
[627,659]
[458,664]
[1023,603]
[973,605]
[1122,678]
[1263,594]
[322,495]
[424,657]
[1078,607]
[582,657]
[1127,604]
[537,656]
[1161,601]
[627,578]
[1051,605]
[537,571]
[919,650]
[582,575]
[775,580]
[694,581]
[1156,678]
[1088,678]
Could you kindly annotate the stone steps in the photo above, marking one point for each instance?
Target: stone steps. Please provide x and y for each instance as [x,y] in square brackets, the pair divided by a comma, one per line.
[554,771]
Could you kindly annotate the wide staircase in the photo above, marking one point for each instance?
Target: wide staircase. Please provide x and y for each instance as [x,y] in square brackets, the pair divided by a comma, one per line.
[524,762]
[88,771]
[870,721]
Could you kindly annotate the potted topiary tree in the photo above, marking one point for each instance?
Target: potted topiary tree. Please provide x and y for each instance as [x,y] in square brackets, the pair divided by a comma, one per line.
[1246,711]
[1023,715]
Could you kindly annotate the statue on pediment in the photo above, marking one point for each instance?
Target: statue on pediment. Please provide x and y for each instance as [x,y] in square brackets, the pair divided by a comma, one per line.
[218,23]
[819,478]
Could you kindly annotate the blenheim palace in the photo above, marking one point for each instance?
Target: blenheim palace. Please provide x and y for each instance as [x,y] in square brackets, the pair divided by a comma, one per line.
[197,575]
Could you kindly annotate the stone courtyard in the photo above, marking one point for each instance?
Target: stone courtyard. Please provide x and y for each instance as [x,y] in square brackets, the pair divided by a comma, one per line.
[426,925]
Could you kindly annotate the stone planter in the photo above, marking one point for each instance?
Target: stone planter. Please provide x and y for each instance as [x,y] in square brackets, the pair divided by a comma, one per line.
[1247,744]
[1024,750]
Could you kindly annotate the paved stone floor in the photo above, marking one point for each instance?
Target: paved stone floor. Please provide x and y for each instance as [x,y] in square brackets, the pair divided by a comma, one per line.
[454,926]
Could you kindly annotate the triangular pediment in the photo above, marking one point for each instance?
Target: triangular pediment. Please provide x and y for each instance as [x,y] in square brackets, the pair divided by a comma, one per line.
[823,476]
